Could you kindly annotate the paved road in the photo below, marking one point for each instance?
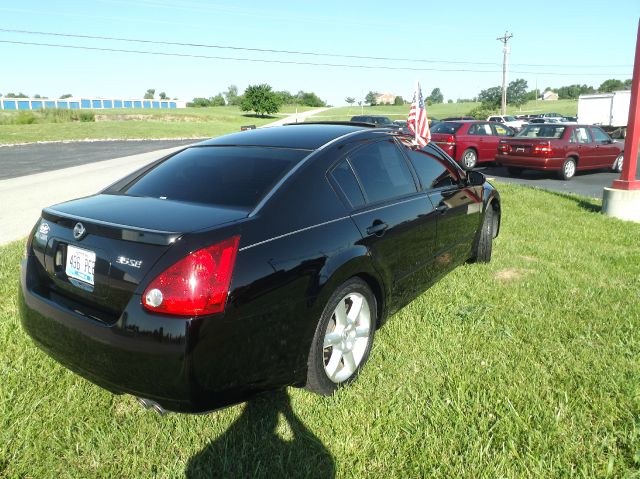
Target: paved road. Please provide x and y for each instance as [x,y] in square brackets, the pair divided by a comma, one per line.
[588,183]
[22,160]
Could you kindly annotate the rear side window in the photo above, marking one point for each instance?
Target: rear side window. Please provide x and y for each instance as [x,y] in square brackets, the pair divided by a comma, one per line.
[542,130]
[599,135]
[383,171]
[217,175]
[343,175]
[448,128]
[480,129]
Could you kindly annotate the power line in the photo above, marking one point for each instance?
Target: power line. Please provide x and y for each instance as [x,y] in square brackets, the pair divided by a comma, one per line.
[283,62]
[289,52]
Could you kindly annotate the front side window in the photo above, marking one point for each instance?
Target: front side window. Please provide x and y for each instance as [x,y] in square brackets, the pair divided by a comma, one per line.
[382,171]
[501,130]
[432,171]
[600,136]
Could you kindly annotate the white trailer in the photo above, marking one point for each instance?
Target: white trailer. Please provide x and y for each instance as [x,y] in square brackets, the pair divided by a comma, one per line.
[605,109]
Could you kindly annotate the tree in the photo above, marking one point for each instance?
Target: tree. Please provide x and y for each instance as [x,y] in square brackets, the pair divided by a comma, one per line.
[16,95]
[611,85]
[163,95]
[309,99]
[217,100]
[398,100]
[449,100]
[66,95]
[436,96]
[491,97]
[627,84]
[150,95]
[286,98]
[371,98]
[350,100]
[231,95]
[261,99]
[517,92]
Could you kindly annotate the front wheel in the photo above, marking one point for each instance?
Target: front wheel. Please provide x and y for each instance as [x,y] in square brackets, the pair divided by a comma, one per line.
[469,159]
[343,338]
[617,165]
[568,169]
[484,241]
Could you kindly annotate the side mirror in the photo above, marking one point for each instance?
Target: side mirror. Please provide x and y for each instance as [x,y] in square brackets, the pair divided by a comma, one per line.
[475,178]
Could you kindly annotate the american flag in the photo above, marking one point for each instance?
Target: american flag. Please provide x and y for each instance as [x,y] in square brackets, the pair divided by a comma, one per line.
[417,121]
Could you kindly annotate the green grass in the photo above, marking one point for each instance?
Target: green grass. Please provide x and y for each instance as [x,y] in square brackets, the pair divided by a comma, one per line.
[443,110]
[135,123]
[525,367]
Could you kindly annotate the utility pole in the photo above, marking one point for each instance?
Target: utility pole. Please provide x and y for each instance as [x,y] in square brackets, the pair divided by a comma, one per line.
[505,61]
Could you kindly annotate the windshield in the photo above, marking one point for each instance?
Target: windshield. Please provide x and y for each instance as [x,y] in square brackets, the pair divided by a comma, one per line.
[544,130]
[217,175]
[509,118]
[446,127]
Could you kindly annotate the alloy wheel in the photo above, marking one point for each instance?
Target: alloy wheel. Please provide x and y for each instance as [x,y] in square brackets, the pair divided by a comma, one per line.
[347,337]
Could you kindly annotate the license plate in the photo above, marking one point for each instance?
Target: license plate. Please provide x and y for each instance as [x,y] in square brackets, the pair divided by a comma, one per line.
[80,264]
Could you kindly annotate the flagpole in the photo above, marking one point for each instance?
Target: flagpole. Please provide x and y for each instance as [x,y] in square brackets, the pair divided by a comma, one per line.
[415,120]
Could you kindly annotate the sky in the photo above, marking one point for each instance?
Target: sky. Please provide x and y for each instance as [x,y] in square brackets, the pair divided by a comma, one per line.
[449,45]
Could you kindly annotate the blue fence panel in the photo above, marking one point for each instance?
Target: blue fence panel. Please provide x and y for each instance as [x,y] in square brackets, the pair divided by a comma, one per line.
[107,103]
[36,105]
[137,104]
[9,105]
[50,104]
[85,103]
[96,103]
[74,105]
[172,104]
[117,103]
[23,104]
[63,104]
[128,104]
[164,104]
[146,104]
[155,104]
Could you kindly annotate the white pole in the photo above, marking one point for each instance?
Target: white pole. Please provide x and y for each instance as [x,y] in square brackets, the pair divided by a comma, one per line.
[415,117]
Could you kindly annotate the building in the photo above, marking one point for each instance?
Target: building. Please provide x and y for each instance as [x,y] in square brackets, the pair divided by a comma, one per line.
[385,98]
[550,96]
[86,103]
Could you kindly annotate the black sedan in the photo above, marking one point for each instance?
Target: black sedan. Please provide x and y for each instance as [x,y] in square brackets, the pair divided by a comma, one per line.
[249,262]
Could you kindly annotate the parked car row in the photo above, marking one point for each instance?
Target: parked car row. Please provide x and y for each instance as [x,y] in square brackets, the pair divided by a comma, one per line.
[562,147]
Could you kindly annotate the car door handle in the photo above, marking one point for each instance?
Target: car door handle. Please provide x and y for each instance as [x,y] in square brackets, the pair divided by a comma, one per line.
[442,209]
[377,228]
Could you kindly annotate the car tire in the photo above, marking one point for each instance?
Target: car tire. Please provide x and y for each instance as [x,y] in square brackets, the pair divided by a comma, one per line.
[513,171]
[484,241]
[568,169]
[469,159]
[617,165]
[343,338]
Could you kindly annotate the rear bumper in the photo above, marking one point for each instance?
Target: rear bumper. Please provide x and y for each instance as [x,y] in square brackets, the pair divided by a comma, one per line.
[140,354]
[529,162]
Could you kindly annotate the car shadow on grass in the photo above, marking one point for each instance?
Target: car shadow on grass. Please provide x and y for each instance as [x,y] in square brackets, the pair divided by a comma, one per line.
[260,444]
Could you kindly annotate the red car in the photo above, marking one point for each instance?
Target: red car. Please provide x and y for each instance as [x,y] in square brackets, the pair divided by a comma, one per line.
[470,142]
[562,148]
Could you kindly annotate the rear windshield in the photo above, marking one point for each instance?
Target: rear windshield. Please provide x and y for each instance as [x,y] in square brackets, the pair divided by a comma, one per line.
[542,130]
[217,175]
[446,127]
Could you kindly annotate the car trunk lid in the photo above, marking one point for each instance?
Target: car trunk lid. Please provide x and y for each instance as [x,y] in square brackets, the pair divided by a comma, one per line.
[94,252]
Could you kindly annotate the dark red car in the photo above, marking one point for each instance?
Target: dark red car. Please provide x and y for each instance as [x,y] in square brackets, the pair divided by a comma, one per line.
[470,142]
[562,148]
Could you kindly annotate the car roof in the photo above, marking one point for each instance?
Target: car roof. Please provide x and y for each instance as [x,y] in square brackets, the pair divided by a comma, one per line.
[301,136]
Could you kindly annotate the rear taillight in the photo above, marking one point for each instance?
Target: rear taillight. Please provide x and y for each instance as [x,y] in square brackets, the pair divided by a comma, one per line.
[504,148]
[543,149]
[450,140]
[195,285]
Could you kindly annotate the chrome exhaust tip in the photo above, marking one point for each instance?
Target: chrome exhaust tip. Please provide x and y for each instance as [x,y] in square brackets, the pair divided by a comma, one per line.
[149,404]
